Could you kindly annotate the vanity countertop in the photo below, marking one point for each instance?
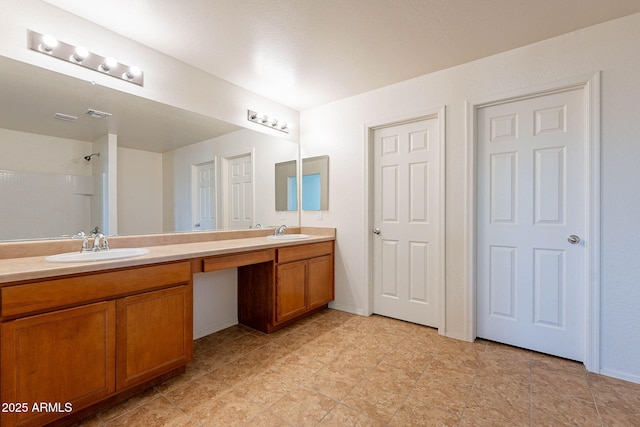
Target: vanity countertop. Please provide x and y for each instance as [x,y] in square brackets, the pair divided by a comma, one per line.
[36,267]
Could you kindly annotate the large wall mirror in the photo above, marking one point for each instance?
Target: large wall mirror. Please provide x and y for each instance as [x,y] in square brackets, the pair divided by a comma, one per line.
[146,168]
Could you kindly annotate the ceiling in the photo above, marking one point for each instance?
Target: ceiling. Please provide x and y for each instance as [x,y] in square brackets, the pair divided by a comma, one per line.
[304,53]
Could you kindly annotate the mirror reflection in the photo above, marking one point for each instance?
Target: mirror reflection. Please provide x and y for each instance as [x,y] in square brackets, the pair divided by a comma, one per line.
[286,186]
[146,168]
[315,183]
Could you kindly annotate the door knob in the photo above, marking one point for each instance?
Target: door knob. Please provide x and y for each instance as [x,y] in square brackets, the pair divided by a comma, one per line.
[376,230]
[573,239]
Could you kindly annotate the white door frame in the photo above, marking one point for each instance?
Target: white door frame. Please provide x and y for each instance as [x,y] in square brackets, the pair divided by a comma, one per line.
[438,113]
[224,184]
[590,84]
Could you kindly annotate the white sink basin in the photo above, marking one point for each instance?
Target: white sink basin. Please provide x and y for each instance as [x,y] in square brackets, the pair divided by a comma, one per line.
[118,253]
[289,237]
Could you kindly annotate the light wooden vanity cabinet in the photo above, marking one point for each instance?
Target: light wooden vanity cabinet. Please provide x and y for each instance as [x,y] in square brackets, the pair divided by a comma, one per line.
[304,280]
[65,357]
[72,342]
[301,283]
[154,334]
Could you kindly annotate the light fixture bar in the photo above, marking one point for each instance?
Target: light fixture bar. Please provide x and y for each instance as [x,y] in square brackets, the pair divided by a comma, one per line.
[268,121]
[79,55]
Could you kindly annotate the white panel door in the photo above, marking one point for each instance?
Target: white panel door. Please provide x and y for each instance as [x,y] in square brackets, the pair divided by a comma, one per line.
[205,197]
[531,200]
[240,192]
[406,200]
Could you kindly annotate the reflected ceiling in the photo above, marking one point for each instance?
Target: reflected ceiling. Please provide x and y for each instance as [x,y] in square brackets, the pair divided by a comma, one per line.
[30,96]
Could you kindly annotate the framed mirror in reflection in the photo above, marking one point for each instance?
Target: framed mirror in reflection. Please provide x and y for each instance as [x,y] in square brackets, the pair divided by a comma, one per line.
[159,169]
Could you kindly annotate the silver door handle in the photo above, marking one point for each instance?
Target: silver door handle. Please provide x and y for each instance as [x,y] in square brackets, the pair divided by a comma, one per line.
[573,239]
[376,230]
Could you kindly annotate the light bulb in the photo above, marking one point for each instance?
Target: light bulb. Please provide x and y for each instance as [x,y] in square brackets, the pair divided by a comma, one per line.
[79,54]
[132,73]
[109,63]
[48,43]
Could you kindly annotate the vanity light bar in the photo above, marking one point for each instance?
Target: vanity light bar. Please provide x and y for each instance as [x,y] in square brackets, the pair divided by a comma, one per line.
[79,55]
[264,120]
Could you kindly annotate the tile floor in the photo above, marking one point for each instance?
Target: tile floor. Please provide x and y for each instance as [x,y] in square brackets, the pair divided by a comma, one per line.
[338,369]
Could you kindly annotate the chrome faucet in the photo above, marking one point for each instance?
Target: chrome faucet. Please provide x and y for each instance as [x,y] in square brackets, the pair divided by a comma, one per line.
[85,241]
[97,246]
[279,231]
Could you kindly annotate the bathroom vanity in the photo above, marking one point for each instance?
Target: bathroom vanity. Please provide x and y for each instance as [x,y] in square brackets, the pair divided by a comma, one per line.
[78,337]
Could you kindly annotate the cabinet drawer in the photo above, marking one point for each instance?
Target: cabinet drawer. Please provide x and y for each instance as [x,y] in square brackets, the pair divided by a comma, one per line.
[237,260]
[36,297]
[296,253]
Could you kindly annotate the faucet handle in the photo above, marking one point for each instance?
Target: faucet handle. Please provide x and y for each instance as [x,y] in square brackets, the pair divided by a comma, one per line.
[105,244]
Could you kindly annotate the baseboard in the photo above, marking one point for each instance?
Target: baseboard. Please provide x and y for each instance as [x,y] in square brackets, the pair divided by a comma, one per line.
[621,375]
[346,307]
[203,332]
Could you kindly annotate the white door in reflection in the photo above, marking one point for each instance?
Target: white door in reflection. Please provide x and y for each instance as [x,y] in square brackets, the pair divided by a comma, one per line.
[239,197]
[204,193]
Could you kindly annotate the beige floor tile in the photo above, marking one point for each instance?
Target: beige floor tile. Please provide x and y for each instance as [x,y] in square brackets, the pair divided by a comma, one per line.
[436,371]
[373,400]
[552,410]
[548,363]
[615,417]
[414,412]
[394,375]
[196,393]
[231,409]
[129,404]
[156,412]
[344,416]
[332,382]
[322,351]
[268,419]
[303,407]
[492,411]
[297,367]
[178,381]
[614,393]
[210,360]
[560,383]
[237,371]
[267,388]
[441,394]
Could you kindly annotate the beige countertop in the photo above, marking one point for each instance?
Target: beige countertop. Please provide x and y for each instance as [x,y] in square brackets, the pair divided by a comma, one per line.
[36,267]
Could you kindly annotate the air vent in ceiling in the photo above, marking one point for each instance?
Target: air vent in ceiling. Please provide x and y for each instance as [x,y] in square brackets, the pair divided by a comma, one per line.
[97,114]
[65,117]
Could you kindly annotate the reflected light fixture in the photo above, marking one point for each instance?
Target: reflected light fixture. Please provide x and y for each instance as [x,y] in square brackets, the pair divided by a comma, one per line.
[80,55]
[265,120]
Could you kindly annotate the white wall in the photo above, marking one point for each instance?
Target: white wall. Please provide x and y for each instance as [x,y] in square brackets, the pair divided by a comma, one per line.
[338,129]
[215,296]
[139,191]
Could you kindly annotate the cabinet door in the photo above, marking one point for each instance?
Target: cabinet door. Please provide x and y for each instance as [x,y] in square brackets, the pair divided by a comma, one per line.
[321,289]
[63,360]
[155,334]
[290,290]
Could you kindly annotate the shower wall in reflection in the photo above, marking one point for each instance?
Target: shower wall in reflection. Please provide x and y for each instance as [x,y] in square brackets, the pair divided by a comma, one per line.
[38,204]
